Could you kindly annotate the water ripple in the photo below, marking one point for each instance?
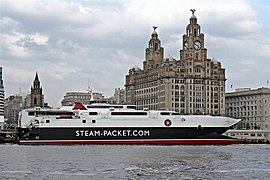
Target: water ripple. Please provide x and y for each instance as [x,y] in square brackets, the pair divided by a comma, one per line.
[135,162]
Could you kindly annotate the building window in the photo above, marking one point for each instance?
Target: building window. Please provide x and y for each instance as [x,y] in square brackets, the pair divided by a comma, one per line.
[35,100]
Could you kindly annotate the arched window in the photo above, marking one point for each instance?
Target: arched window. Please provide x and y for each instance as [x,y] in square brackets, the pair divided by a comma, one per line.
[35,100]
[156,46]
[182,87]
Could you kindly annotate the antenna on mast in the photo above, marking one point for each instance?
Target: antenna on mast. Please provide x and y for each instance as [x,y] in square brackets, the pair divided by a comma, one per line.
[89,90]
[88,86]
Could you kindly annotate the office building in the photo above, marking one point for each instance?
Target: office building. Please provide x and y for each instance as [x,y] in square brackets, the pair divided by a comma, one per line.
[194,84]
[250,105]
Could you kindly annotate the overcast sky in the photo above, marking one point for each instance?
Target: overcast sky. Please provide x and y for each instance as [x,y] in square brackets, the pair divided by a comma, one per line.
[71,42]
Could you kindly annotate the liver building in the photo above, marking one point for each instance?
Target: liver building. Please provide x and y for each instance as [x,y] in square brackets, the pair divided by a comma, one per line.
[192,85]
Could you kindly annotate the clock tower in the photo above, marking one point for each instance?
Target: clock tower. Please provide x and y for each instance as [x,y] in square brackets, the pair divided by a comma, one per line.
[193,41]
[204,78]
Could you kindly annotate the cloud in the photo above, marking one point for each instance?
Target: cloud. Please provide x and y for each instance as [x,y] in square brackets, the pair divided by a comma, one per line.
[69,42]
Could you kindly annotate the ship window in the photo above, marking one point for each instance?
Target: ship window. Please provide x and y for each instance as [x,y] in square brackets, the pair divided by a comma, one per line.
[47,121]
[131,107]
[31,113]
[84,121]
[252,134]
[50,113]
[99,106]
[129,113]
[93,113]
[93,121]
[117,107]
[165,113]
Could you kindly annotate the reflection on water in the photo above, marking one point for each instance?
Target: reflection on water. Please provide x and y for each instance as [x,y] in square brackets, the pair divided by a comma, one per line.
[135,162]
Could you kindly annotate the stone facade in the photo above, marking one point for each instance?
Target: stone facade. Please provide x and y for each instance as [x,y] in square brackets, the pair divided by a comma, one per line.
[192,85]
[250,105]
[13,105]
[2,94]
[36,96]
[2,100]
[119,96]
[76,97]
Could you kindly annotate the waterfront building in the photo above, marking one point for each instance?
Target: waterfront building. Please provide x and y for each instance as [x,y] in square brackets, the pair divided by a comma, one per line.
[119,96]
[13,105]
[98,96]
[2,122]
[75,97]
[251,105]
[2,93]
[194,84]
[36,98]
[2,99]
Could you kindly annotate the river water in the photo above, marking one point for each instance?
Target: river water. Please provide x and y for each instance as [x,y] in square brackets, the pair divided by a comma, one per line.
[249,161]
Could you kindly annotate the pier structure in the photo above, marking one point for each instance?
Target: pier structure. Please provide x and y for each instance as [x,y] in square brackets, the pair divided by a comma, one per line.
[250,135]
[8,136]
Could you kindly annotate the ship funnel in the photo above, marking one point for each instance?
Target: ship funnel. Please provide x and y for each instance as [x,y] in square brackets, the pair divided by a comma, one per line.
[79,106]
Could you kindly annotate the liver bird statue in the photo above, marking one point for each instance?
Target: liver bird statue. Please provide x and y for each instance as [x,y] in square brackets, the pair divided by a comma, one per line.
[193,11]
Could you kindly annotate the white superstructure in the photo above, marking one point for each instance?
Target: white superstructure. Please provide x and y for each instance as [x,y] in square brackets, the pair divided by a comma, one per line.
[105,115]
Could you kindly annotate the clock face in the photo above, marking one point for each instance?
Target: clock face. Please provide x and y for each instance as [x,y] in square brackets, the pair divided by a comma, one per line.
[185,45]
[197,45]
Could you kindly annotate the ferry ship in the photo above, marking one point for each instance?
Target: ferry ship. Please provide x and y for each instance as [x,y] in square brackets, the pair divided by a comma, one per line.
[120,124]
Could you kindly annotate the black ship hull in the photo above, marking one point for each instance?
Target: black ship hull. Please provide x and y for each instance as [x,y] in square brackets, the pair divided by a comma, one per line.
[126,135]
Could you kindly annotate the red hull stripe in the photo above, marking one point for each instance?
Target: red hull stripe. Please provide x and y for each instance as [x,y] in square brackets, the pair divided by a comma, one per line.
[134,142]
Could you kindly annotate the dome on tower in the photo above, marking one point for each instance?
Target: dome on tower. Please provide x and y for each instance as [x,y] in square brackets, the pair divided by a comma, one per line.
[154,32]
[136,68]
[193,16]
